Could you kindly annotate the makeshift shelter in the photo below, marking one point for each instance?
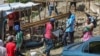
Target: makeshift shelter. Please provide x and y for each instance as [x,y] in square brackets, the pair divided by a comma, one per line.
[10,9]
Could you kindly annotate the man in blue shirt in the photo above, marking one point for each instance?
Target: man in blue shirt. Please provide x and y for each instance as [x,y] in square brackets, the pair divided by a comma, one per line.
[69,32]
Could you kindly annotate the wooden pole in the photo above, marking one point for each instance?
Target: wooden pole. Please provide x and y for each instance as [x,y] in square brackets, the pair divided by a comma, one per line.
[31,13]
[89,6]
[85,5]
[66,5]
[39,12]
[2,26]
[45,10]
[19,14]
[28,15]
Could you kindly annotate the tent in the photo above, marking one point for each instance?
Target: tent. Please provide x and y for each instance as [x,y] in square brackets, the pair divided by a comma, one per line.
[9,8]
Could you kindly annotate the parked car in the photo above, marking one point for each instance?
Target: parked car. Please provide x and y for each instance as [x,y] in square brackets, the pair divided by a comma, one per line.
[88,48]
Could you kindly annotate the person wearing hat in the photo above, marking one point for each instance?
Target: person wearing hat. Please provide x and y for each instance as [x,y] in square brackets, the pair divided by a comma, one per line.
[49,26]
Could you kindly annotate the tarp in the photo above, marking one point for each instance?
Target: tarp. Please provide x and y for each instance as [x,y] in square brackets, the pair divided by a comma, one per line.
[4,7]
[29,4]
[10,7]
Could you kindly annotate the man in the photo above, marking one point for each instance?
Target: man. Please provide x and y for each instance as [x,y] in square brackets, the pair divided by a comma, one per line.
[69,32]
[48,36]
[52,6]
[11,47]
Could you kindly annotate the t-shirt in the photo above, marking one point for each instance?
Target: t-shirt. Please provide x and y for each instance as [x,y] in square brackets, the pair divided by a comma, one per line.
[48,30]
[19,38]
[11,47]
[70,24]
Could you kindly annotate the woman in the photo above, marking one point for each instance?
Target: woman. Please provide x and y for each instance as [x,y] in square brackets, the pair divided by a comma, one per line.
[87,31]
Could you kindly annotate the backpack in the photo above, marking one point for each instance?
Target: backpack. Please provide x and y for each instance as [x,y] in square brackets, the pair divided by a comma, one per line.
[94,21]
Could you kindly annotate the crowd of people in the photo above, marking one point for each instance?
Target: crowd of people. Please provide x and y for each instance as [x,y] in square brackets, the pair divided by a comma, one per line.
[13,44]
[69,31]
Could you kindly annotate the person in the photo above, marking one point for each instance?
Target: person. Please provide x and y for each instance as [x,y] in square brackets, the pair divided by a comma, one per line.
[87,30]
[11,21]
[9,36]
[73,3]
[11,47]
[3,51]
[69,32]
[48,36]
[19,41]
[52,6]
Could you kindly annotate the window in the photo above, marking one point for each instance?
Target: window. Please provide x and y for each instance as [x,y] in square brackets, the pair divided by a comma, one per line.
[94,47]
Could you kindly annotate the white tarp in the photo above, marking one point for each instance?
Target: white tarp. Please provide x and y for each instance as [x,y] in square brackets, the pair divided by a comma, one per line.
[5,7]
[30,4]
[17,5]
[8,7]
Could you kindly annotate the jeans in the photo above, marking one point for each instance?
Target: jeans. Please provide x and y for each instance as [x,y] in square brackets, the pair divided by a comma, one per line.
[49,46]
[51,8]
[71,37]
